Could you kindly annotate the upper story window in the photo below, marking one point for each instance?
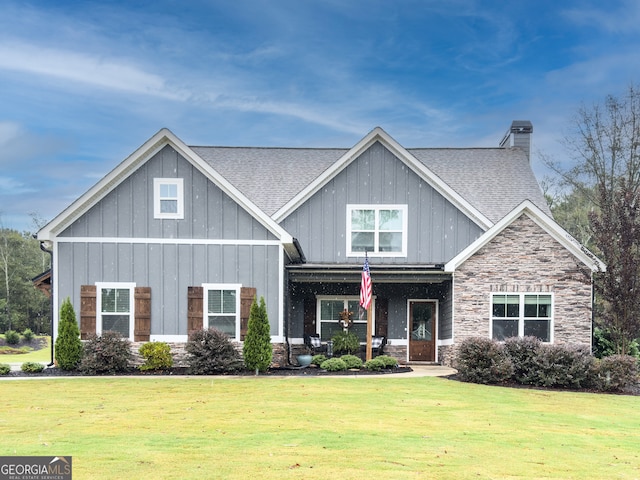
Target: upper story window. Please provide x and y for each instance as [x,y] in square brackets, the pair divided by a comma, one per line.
[521,314]
[222,308]
[379,230]
[168,198]
[115,308]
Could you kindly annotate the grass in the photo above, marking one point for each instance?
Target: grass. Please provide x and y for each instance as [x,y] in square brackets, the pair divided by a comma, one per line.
[318,428]
[41,355]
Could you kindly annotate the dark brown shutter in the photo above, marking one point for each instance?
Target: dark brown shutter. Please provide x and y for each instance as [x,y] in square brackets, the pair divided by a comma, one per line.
[309,316]
[247,295]
[142,325]
[382,316]
[195,309]
[87,311]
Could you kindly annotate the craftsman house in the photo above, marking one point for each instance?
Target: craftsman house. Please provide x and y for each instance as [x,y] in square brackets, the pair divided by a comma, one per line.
[460,243]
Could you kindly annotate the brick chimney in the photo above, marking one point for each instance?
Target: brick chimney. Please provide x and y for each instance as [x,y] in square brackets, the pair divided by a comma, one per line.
[519,135]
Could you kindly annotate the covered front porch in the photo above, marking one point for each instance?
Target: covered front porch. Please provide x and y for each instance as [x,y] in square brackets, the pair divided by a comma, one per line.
[411,308]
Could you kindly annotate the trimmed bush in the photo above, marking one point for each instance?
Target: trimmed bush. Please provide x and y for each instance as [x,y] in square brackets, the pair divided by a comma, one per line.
[346,343]
[333,365]
[107,353]
[28,334]
[318,359]
[12,337]
[524,353]
[616,372]
[211,352]
[387,361]
[375,364]
[564,366]
[32,367]
[157,356]
[5,369]
[351,361]
[481,360]
[68,347]
[257,350]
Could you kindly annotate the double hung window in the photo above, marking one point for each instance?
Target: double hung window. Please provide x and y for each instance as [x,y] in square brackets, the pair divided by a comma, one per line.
[379,230]
[222,308]
[115,308]
[522,314]
[168,198]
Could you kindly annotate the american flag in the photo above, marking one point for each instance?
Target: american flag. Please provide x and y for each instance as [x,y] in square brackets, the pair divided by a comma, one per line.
[365,285]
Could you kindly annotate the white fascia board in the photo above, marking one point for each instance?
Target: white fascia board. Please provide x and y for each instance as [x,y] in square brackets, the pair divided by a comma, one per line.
[543,221]
[378,134]
[132,163]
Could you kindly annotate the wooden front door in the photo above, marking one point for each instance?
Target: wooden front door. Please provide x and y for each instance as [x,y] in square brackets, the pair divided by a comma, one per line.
[422,331]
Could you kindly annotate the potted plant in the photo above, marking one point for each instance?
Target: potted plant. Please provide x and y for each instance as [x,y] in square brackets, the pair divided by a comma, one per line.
[304,359]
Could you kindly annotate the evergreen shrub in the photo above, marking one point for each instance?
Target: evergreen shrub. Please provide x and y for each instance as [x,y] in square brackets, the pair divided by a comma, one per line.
[12,337]
[68,347]
[375,364]
[318,359]
[564,366]
[351,361]
[524,353]
[616,372]
[107,353]
[211,352]
[28,334]
[257,350]
[333,365]
[32,367]
[346,343]
[5,369]
[388,361]
[482,360]
[157,356]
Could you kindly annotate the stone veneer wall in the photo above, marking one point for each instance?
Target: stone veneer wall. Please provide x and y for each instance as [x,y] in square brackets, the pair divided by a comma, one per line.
[179,353]
[522,258]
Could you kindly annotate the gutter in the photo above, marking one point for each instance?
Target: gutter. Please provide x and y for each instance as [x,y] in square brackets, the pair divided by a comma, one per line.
[50,252]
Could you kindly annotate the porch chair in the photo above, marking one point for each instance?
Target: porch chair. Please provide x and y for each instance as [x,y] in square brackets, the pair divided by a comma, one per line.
[377,345]
[314,344]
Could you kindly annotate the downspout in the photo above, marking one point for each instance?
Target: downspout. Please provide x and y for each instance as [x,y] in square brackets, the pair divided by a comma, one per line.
[50,252]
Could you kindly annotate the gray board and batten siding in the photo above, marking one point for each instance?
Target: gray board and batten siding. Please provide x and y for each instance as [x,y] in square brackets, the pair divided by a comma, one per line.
[216,242]
[437,230]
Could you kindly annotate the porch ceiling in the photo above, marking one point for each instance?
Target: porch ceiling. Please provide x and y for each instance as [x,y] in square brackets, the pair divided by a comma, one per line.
[314,273]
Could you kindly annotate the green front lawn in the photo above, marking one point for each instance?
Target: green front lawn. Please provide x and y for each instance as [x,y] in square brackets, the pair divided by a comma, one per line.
[41,355]
[318,428]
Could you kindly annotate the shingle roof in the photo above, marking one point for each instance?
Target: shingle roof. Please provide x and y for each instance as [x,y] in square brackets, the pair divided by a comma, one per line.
[494,180]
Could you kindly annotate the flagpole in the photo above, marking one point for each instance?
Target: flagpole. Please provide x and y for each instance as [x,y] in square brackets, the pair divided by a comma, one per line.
[369,354]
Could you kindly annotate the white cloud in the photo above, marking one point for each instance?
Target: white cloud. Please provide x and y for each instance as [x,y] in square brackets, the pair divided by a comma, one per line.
[113,74]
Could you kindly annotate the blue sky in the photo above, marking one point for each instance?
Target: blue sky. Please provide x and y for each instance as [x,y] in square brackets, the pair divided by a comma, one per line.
[84,83]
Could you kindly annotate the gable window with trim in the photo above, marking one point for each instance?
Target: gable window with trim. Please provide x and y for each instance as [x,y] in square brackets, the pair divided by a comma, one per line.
[115,310]
[168,198]
[329,309]
[379,230]
[222,308]
[522,314]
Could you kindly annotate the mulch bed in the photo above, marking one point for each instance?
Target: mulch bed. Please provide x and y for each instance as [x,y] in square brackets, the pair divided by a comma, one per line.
[178,371]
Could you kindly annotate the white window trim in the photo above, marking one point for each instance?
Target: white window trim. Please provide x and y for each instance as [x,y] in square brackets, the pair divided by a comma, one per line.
[179,183]
[121,286]
[343,298]
[206,287]
[521,317]
[377,208]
